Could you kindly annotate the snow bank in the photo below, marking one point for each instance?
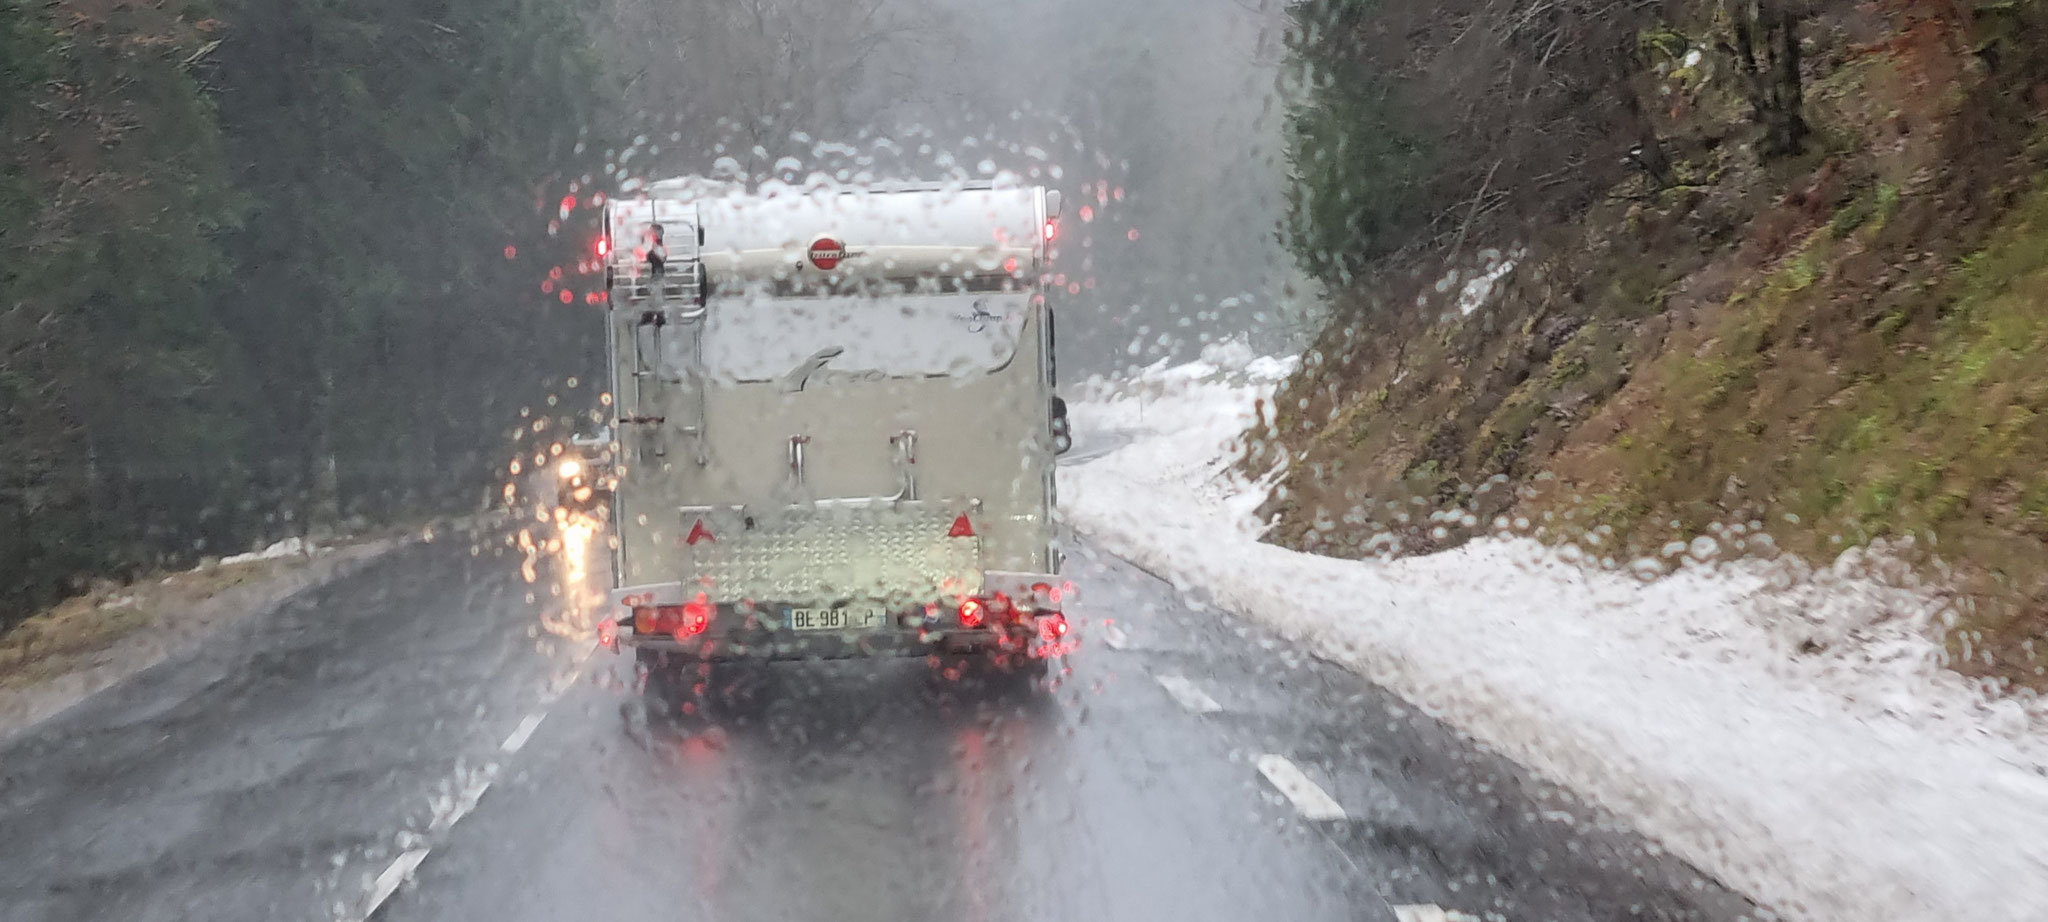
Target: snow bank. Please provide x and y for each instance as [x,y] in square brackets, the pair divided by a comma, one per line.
[289,547]
[1857,783]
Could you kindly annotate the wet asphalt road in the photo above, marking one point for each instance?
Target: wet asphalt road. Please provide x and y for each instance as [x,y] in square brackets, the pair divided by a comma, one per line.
[425,711]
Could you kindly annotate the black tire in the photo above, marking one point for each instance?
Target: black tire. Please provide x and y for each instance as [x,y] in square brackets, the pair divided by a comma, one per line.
[1013,670]
[675,686]
[738,690]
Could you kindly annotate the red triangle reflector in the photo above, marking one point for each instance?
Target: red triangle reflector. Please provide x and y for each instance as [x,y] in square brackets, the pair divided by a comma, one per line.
[961,528]
[699,533]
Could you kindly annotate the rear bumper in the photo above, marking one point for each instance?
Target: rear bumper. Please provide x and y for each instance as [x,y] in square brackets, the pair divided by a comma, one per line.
[759,631]
[825,645]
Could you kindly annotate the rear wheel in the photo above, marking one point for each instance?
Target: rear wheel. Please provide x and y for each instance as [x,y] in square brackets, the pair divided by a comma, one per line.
[991,671]
[663,683]
[691,687]
[1025,666]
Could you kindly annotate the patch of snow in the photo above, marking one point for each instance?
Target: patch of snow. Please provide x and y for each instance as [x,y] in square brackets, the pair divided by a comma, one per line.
[1791,731]
[1479,289]
[289,547]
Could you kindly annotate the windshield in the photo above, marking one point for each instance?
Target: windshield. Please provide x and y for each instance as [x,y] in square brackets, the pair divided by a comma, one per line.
[764,339]
[1500,461]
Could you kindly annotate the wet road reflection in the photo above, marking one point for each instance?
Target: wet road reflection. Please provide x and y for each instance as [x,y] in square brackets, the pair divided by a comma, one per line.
[437,732]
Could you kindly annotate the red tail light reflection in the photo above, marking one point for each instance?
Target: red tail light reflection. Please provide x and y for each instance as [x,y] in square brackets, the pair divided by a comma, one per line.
[972,613]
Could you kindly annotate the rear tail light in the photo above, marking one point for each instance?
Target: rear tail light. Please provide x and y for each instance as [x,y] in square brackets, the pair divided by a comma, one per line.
[972,613]
[696,615]
[686,620]
[608,635]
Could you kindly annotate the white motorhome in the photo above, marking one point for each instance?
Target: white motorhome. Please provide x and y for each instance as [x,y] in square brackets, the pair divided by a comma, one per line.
[836,423]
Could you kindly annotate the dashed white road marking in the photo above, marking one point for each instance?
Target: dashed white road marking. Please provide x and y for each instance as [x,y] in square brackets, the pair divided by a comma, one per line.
[1115,637]
[477,783]
[1187,695]
[472,793]
[524,733]
[1308,799]
[388,882]
[1424,912]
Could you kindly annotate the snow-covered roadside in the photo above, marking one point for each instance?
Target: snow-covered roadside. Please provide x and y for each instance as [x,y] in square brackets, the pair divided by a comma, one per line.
[1859,783]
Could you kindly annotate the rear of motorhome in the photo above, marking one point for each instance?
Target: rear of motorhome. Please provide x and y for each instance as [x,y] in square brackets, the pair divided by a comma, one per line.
[835,422]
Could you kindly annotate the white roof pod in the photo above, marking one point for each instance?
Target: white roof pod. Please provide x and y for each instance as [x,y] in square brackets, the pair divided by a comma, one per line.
[787,234]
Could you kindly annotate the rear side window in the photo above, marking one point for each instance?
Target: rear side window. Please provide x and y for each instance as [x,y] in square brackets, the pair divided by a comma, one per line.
[764,339]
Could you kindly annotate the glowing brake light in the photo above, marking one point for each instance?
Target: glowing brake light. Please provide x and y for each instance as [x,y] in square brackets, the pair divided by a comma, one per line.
[696,615]
[972,614]
[1052,230]
[686,620]
[604,247]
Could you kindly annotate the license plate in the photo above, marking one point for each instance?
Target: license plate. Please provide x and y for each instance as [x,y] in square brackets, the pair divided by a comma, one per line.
[836,619]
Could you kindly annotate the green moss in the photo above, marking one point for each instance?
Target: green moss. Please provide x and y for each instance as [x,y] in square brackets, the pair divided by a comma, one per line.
[1887,206]
[1637,289]
[1800,273]
[1566,369]
[1876,205]
[1665,42]
[1876,499]
[1891,323]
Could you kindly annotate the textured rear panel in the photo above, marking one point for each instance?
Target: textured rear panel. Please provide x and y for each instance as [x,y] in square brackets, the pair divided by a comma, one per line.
[898,553]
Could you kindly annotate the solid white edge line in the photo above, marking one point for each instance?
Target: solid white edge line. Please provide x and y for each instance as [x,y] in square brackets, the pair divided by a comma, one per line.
[392,878]
[1309,800]
[524,732]
[1187,695]
[1115,637]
